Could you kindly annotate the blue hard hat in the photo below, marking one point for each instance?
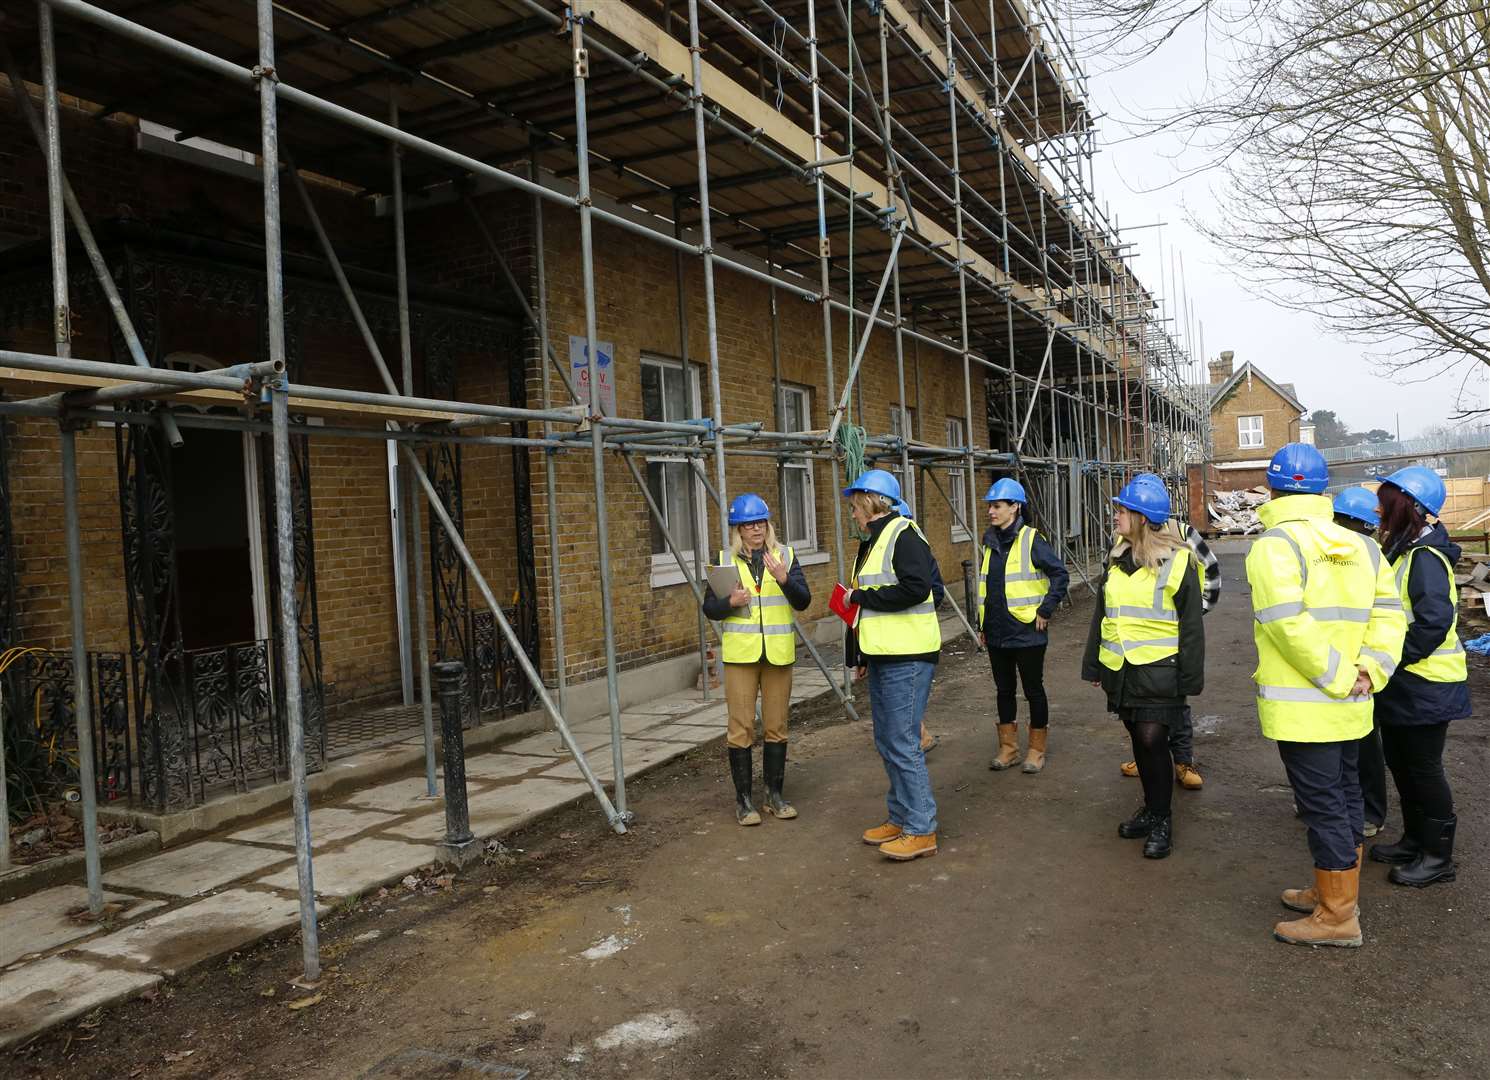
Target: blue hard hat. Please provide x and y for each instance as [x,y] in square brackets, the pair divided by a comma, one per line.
[1006,490]
[1423,484]
[1147,478]
[903,508]
[876,482]
[1146,498]
[1358,503]
[747,508]
[1298,468]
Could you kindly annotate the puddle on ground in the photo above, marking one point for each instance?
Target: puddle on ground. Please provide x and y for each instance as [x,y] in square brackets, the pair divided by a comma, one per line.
[1208,724]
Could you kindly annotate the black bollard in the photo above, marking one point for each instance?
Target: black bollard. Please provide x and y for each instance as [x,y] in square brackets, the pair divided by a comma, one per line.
[459,846]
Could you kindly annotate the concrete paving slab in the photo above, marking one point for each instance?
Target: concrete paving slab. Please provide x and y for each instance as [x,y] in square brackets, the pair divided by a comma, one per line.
[327,825]
[218,924]
[673,704]
[543,744]
[40,922]
[52,991]
[362,865]
[502,766]
[684,733]
[631,723]
[404,796]
[193,869]
[638,755]
[496,810]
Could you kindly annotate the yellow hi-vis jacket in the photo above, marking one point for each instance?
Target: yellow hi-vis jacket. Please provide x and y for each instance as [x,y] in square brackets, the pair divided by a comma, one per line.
[763,629]
[1140,623]
[1323,605]
[1447,662]
[912,631]
[1024,585]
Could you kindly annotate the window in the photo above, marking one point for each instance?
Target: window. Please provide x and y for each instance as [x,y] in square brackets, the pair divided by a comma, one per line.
[1249,431]
[797,522]
[957,481]
[902,426]
[670,392]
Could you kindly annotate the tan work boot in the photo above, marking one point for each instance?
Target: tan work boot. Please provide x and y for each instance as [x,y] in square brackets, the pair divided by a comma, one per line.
[1306,900]
[1187,775]
[1034,757]
[1335,920]
[1128,768]
[883,834]
[908,847]
[1008,755]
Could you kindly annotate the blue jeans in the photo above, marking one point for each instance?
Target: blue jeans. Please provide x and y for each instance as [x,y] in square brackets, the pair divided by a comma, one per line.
[898,693]
[1327,786]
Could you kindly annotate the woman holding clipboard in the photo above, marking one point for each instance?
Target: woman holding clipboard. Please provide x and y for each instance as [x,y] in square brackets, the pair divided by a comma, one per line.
[758,647]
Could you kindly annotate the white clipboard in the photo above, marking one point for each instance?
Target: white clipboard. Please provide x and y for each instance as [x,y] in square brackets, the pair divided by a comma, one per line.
[723,579]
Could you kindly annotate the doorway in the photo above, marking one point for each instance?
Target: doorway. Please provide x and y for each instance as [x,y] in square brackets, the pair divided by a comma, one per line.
[217,570]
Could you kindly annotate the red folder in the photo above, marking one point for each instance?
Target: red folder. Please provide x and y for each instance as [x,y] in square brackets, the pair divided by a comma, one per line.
[839,605]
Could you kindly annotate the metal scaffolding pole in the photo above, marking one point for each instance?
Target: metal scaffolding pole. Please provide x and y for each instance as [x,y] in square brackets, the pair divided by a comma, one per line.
[289,621]
[706,671]
[597,433]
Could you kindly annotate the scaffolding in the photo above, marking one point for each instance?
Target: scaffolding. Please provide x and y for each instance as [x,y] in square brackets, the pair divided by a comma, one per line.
[915,169]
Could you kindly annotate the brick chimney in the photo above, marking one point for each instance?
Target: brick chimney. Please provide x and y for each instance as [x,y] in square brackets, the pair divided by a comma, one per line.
[1221,368]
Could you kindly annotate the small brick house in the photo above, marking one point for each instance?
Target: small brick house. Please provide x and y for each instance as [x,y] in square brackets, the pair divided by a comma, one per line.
[1251,415]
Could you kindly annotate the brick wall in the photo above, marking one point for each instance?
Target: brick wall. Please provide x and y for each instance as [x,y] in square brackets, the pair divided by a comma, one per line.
[637,309]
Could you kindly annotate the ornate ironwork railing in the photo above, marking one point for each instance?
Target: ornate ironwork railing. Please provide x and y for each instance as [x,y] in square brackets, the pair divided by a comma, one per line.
[39,696]
[501,686]
[236,732]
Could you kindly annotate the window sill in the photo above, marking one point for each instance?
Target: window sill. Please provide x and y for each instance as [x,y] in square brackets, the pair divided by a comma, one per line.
[960,536]
[814,558]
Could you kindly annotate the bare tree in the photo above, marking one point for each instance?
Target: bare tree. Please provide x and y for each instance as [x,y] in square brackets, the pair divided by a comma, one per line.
[1353,143]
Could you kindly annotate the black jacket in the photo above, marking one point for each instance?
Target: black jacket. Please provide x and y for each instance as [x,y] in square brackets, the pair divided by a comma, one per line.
[915,567]
[1408,698]
[794,588]
[1000,629]
[1166,682]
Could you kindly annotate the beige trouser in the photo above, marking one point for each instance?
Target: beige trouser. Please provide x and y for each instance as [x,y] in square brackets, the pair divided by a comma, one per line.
[773,683]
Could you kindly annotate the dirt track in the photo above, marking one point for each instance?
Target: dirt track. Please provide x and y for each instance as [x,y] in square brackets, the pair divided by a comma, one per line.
[1035,943]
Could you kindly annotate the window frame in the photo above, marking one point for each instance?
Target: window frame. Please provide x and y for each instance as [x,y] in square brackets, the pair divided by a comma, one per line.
[808,544]
[957,482]
[900,416]
[664,568]
[1244,431]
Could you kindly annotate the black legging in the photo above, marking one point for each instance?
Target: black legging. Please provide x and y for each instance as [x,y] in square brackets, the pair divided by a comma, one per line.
[1029,665]
[1155,765]
[1414,753]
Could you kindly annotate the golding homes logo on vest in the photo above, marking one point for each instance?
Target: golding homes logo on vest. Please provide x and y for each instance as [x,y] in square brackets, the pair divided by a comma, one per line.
[1326,559]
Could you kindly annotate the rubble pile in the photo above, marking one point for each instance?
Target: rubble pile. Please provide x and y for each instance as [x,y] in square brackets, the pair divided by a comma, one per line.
[1472,577]
[1235,512]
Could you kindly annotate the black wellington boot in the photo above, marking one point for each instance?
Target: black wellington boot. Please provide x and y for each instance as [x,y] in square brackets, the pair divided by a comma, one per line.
[1409,847]
[740,770]
[773,769]
[1435,862]
[1160,841]
[1138,826]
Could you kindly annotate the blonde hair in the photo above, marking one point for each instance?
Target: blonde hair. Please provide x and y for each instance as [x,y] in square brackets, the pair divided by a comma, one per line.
[871,503]
[1151,544]
[737,545]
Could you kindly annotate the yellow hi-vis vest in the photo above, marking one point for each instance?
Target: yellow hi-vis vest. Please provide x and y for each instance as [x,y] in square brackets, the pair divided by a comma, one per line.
[764,629]
[910,632]
[1323,604]
[1024,586]
[1140,623]
[1447,662]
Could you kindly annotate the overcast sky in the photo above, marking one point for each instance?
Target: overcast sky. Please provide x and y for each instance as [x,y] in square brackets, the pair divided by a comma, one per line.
[1140,180]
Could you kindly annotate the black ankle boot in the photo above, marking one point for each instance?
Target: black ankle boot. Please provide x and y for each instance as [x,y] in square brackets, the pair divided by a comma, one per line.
[1137,826]
[740,770]
[1161,838]
[1435,862]
[773,769]
[1409,847]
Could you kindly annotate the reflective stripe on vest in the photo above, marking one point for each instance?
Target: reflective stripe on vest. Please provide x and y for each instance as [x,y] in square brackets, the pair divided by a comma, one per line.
[910,632]
[1140,623]
[1025,585]
[764,629]
[1447,663]
[1339,598]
